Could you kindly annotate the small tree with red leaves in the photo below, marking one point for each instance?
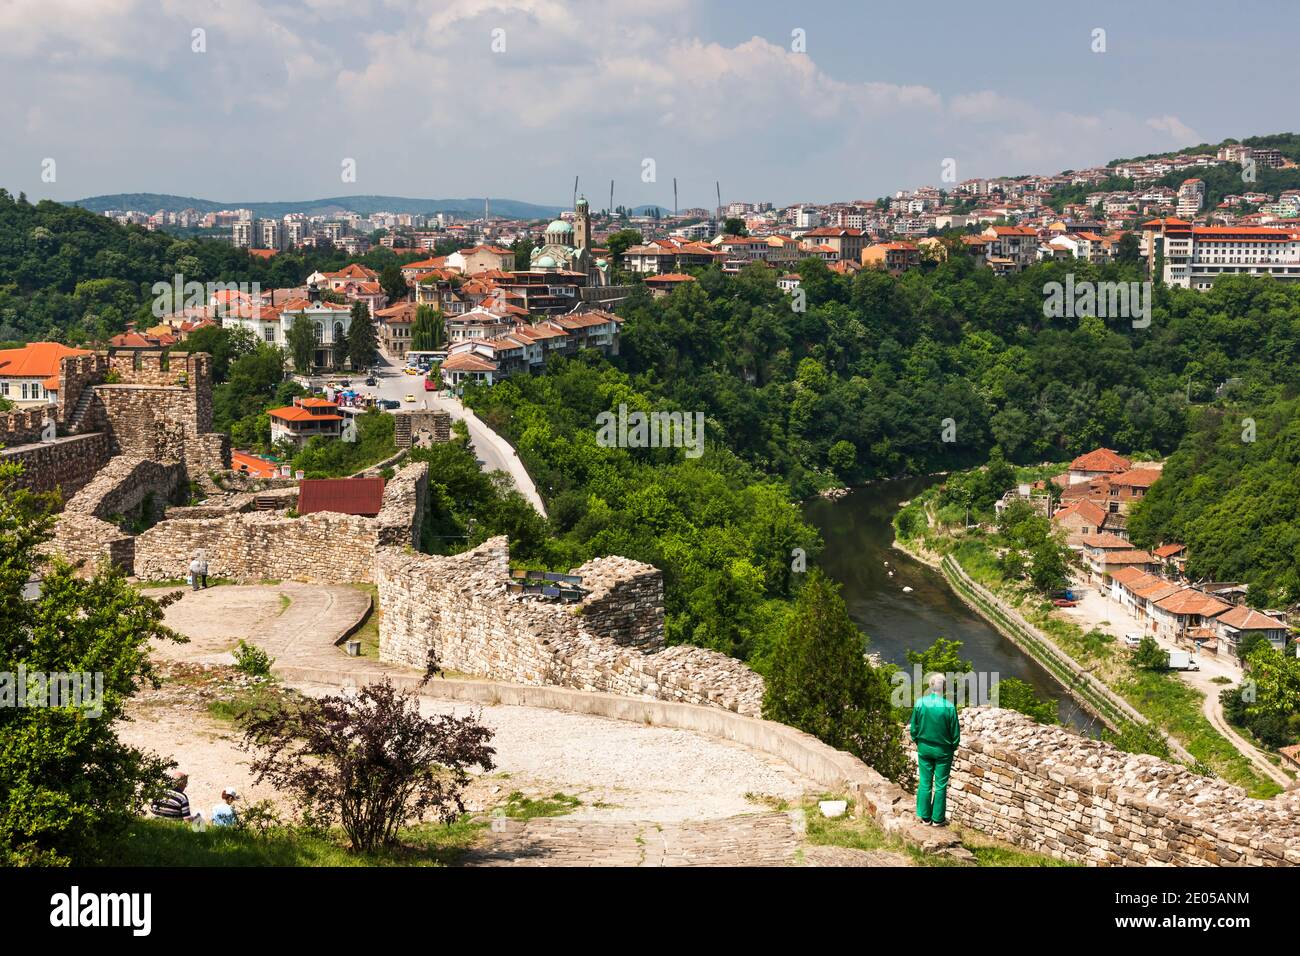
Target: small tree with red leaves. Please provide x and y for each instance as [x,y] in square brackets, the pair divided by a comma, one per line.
[368,761]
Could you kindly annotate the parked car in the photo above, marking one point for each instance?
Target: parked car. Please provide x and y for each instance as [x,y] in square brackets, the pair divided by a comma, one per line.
[409,398]
[1064,602]
[372,381]
[389,403]
[1132,640]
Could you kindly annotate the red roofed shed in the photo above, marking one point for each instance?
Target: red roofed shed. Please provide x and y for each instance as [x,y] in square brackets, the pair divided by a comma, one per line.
[348,496]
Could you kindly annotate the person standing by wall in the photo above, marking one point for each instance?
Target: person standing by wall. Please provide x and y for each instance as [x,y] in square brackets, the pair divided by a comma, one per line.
[937,734]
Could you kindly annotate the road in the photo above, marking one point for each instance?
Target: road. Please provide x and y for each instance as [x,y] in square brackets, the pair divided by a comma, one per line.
[495,452]
[1096,610]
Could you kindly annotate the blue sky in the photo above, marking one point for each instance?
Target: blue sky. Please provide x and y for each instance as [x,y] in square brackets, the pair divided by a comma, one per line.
[413,92]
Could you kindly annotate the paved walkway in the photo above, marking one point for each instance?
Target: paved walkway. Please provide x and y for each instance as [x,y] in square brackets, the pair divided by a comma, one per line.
[292,622]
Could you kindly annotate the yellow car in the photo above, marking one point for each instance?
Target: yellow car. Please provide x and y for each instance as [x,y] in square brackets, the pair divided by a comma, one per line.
[410,371]
[410,398]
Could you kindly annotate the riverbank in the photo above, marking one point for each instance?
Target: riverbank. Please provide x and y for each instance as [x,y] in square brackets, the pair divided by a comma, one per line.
[904,605]
[1099,671]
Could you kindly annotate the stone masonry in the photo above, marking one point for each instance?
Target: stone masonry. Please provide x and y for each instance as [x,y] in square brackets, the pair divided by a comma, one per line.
[1054,791]
[324,547]
[459,607]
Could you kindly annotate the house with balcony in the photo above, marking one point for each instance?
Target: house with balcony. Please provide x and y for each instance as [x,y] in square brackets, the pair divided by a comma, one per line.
[305,419]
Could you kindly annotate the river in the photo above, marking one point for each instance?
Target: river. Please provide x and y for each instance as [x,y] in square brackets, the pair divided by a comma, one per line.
[859,555]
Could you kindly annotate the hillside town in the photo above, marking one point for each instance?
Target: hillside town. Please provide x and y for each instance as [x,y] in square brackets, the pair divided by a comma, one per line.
[1007,223]
[1089,503]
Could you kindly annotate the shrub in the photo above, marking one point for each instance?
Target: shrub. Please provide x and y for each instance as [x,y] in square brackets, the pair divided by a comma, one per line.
[252,660]
[368,761]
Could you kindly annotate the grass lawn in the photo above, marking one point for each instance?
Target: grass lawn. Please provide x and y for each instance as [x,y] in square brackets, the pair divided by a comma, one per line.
[862,833]
[164,843]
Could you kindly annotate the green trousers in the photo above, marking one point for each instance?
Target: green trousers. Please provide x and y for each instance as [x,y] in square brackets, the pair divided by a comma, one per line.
[932,787]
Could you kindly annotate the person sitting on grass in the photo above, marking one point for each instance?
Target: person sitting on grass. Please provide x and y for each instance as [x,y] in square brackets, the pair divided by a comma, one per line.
[223,814]
[937,734]
[173,804]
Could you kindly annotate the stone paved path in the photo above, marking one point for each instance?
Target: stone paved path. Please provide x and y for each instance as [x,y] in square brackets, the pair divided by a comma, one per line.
[301,631]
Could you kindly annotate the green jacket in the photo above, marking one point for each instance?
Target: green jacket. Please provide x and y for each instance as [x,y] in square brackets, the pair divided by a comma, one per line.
[934,726]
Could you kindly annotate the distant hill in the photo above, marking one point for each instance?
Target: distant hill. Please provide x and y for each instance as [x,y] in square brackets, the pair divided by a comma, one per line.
[1287,143]
[364,205]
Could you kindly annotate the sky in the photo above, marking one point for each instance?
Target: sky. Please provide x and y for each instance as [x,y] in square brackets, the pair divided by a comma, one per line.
[263,100]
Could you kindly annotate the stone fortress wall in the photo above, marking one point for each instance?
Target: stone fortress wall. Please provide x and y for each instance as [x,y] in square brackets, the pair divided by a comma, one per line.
[323,547]
[611,641]
[1043,788]
[142,404]
[1074,798]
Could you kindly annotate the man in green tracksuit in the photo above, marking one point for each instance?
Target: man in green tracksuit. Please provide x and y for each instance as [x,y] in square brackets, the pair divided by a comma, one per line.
[936,732]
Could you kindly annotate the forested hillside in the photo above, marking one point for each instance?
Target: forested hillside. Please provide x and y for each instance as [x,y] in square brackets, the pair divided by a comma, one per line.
[69,275]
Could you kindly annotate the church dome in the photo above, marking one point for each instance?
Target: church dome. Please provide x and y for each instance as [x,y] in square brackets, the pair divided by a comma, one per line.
[559,226]
[546,262]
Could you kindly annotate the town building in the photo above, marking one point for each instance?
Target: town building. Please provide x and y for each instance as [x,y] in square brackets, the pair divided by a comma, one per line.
[29,375]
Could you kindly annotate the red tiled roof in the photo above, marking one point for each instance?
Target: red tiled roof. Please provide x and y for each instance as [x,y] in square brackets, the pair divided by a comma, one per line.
[253,465]
[1106,541]
[1190,601]
[39,359]
[348,496]
[468,362]
[1101,459]
[1169,550]
[1248,619]
[1137,478]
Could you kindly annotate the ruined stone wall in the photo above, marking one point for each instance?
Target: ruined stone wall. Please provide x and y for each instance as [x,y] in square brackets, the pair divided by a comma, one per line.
[625,601]
[1056,792]
[162,423]
[459,607]
[78,374]
[125,489]
[23,426]
[65,465]
[420,427]
[323,548]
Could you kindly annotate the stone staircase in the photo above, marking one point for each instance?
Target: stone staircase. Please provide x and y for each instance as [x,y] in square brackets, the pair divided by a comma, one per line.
[76,422]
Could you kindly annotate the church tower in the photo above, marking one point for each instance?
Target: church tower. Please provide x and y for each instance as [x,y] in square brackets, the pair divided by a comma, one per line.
[582,225]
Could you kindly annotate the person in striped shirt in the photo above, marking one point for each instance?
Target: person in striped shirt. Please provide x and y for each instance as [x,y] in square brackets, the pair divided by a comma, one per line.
[173,804]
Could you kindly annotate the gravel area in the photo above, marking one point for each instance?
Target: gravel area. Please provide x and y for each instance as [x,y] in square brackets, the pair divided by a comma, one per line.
[619,769]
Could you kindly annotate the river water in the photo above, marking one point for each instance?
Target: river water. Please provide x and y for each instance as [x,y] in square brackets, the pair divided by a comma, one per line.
[859,555]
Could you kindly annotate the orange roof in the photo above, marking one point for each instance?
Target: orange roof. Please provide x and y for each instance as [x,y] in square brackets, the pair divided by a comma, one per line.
[292,413]
[1129,575]
[1085,509]
[1169,550]
[37,360]
[1189,601]
[253,465]
[1137,478]
[468,362]
[669,277]
[1248,619]
[262,253]
[1101,459]
[1106,541]
[1131,556]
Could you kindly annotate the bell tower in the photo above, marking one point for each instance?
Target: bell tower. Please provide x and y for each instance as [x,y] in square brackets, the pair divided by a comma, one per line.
[582,224]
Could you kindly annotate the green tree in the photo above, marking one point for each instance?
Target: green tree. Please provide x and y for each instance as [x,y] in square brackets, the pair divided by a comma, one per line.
[734,227]
[394,286]
[822,683]
[68,785]
[1150,656]
[301,340]
[428,331]
[1014,694]
[363,340]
